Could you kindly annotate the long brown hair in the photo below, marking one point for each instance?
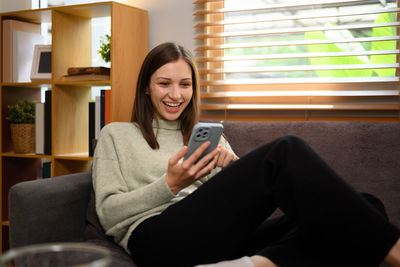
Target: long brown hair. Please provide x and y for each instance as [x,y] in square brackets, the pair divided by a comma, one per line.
[143,110]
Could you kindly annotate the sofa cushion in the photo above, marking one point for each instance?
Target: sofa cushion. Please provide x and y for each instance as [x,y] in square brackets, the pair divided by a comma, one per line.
[93,229]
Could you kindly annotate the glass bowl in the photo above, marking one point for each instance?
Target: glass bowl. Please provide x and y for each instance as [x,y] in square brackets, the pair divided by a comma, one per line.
[57,255]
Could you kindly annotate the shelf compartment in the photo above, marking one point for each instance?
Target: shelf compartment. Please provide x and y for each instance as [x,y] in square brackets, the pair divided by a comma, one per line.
[67,166]
[13,174]
[10,96]
[72,43]
[70,119]
[5,242]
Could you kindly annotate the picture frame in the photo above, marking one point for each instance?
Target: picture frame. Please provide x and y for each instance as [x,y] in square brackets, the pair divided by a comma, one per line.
[41,63]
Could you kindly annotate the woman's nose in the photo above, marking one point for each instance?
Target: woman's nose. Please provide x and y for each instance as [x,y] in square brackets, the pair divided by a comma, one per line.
[175,93]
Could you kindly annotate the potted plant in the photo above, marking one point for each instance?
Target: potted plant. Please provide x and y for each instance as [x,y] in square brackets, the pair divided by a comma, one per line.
[22,121]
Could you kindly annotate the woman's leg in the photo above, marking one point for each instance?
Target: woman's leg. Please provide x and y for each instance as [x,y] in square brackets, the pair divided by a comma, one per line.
[393,257]
[210,224]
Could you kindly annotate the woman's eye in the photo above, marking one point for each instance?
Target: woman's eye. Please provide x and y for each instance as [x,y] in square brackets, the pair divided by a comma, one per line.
[164,84]
[186,84]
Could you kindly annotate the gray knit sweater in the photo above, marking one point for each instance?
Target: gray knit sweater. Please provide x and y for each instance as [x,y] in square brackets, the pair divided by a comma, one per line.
[129,176]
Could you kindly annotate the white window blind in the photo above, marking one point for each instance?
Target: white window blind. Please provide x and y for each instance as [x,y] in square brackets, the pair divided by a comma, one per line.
[298,59]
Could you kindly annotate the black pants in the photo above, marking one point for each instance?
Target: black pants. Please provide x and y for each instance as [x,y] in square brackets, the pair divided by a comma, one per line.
[326,221]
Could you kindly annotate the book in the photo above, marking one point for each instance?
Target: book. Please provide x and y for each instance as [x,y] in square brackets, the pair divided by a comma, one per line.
[23,49]
[107,107]
[92,120]
[85,77]
[47,123]
[102,108]
[39,128]
[10,26]
[97,117]
[46,170]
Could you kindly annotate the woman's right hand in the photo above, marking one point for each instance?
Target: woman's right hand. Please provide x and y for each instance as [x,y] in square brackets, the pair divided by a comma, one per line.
[181,174]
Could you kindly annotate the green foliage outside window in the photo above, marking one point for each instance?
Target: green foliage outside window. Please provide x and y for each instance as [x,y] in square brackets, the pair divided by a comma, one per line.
[373,59]
[318,35]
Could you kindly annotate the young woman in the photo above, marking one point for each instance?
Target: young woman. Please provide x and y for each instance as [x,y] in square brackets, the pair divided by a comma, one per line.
[166,211]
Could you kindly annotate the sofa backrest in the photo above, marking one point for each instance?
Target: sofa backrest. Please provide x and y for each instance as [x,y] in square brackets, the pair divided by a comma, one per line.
[365,154]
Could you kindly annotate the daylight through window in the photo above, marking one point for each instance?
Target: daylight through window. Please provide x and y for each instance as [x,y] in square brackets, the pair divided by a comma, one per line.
[299,60]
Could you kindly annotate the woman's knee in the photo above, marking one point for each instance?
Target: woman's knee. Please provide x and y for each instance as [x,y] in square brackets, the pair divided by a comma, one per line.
[291,141]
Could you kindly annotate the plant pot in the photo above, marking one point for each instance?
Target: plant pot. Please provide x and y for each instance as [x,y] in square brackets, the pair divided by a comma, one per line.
[23,137]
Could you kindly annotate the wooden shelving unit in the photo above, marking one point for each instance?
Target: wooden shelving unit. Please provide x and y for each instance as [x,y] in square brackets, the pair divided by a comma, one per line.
[71,47]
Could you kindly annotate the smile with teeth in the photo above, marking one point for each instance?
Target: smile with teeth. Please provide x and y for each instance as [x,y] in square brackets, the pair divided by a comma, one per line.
[172,105]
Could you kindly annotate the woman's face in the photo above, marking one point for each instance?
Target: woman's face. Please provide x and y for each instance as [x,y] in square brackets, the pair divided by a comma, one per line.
[171,89]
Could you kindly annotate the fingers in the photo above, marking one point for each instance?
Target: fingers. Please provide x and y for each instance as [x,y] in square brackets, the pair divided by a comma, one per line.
[205,165]
[197,153]
[225,158]
[178,156]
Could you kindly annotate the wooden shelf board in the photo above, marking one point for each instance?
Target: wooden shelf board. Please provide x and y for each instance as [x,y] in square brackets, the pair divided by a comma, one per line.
[27,84]
[35,16]
[80,83]
[90,10]
[16,155]
[74,156]
[5,223]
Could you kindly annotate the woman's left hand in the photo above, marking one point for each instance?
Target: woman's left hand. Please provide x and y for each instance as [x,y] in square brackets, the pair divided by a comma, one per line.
[225,157]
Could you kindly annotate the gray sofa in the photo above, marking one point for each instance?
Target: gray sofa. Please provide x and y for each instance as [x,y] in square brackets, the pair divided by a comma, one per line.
[61,209]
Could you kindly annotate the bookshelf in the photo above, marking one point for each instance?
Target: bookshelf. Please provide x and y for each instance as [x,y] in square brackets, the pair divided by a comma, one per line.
[71,47]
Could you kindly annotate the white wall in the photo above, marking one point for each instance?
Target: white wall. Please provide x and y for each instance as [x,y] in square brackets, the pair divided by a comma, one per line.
[169,20]
[13,5]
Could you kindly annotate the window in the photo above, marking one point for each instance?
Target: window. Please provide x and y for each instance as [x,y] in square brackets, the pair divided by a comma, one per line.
[299,60]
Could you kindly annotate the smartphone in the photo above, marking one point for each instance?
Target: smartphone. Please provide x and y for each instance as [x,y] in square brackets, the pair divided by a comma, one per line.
[204,131]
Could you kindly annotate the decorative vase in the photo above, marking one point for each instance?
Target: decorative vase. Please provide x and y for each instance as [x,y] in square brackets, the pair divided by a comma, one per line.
[23,137]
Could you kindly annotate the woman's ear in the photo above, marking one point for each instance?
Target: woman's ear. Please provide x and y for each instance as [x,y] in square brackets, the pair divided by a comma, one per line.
[147,91]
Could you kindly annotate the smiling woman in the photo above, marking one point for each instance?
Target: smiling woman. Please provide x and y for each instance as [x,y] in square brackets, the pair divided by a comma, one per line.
[202,209]
[169,75]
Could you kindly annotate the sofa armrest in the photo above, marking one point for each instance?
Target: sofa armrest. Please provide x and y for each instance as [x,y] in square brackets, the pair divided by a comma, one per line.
[49,210]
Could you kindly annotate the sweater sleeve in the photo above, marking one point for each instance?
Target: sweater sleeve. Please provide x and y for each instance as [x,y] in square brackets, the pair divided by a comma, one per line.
[116,205]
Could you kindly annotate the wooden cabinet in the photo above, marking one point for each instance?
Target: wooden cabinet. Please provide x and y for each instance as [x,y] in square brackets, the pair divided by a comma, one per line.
[71,42]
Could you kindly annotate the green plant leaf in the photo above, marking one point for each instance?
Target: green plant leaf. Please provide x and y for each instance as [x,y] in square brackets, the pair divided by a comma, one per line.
[22,112]
[384,45]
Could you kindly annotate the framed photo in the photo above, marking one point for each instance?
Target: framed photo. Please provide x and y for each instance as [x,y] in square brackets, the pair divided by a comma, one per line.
[41,63]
